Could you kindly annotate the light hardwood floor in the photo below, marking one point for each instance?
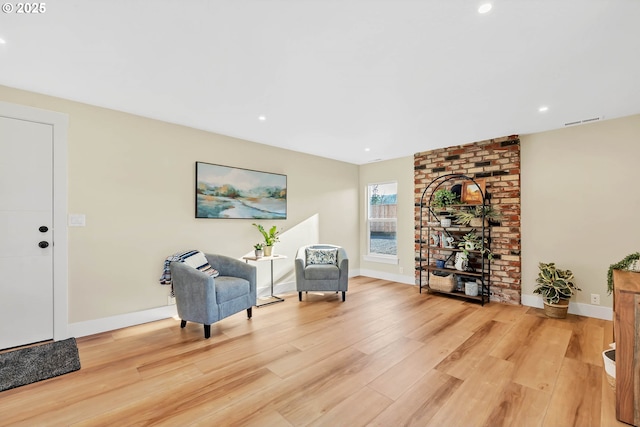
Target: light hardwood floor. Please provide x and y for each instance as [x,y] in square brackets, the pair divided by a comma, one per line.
[388,356]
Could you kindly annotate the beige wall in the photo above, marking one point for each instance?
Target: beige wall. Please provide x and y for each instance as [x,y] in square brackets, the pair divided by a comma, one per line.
[401,171]
[133,178]
[580,201]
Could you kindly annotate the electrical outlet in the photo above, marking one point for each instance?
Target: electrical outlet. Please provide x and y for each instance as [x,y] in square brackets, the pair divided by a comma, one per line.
[171,300]
[595,299]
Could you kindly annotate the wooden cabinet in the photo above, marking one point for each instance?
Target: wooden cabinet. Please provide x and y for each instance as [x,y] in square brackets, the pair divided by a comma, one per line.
[626,324]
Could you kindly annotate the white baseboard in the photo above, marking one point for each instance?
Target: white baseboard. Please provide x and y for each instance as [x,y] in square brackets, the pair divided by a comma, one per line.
[90,327]
[409,280]
[581,309]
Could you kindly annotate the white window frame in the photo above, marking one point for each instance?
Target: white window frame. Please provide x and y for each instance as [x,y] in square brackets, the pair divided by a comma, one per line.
[372,256]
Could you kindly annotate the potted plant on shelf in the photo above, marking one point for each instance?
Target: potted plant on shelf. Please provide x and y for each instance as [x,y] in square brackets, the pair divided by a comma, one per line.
[270,238]
[472,241]
[442,199]
[556,287]
[259,252]
[473,217]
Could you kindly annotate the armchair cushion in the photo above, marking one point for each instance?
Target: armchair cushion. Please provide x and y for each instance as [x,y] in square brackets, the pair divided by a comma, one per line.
[228,288]
[322,272]
[321,256]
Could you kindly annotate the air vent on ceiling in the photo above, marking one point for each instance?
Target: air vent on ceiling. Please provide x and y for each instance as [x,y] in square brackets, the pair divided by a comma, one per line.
[374,160]
[580,122]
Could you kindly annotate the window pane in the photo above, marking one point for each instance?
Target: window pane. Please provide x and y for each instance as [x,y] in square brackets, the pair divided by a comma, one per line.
[382,237]
[382,214]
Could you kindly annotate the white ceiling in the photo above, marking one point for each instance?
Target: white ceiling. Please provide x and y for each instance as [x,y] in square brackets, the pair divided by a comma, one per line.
[333,77]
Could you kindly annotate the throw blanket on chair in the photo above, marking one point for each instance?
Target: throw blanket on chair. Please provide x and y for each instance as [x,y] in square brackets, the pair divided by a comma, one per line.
[193,258]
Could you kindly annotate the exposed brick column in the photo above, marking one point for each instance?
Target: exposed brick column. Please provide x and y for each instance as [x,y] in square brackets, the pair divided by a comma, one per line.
[498,161]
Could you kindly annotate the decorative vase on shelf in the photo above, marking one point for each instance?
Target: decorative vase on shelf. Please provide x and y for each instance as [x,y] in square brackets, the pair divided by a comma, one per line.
[471,289]
[461,262]
[445,222]
[268,250]
[259,253]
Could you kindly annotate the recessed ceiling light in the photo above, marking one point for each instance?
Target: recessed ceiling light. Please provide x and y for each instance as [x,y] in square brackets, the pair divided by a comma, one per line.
[262,118]
[2,41]
[543,108]
[367,149]
[485,8]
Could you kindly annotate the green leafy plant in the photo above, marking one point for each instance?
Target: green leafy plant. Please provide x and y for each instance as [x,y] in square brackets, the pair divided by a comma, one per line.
[554,284]
[464,216]
[621,265]
[472,241]
[258,246]
[443,198]
[271,236]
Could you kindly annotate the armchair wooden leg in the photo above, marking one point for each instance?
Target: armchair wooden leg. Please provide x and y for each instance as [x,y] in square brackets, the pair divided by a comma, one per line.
[249,312]
[183,323]
[207,331]
[299,296]
[344,296]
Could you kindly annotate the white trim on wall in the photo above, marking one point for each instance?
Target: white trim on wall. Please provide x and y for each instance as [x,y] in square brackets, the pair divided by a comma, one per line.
[59,122]
[96,326]
[581,309]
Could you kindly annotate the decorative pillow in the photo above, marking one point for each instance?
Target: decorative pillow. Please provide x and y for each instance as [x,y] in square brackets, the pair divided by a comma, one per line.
[198,261]
[321,256]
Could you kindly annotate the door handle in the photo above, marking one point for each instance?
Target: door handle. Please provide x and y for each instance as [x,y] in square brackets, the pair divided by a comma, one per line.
[43,229]
[43,244]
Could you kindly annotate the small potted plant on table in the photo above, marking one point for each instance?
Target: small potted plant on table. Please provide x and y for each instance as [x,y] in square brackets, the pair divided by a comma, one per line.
[259,252]
[556,287]
[270,238]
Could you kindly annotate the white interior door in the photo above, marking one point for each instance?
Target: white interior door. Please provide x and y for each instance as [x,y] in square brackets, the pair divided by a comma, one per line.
[26,232]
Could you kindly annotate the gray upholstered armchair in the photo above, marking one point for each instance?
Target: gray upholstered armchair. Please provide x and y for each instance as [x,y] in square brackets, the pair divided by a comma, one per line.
[322,268]
[204,299]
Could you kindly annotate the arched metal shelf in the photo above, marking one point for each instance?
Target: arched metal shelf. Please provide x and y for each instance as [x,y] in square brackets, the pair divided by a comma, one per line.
[426,253]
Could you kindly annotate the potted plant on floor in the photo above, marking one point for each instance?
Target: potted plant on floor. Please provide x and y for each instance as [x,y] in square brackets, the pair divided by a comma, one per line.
[556,287]
[270,238]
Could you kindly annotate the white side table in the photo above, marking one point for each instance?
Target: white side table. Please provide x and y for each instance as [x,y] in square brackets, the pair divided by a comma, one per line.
[272,299]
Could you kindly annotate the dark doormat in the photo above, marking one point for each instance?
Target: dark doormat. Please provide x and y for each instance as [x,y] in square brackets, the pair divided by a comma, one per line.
[28,365]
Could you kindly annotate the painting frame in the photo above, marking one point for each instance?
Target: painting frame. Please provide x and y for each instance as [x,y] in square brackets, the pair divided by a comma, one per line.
[473,191]
[228,192]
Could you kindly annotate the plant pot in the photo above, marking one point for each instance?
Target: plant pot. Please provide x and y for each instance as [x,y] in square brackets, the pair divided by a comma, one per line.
[471,289]
[461,262]
[556,311]
[609,357]
[268,250]
[477,222]
[259,253]
[445,222]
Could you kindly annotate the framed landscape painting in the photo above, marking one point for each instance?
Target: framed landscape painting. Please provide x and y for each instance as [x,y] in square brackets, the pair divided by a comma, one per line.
[473,192]
[228,192]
